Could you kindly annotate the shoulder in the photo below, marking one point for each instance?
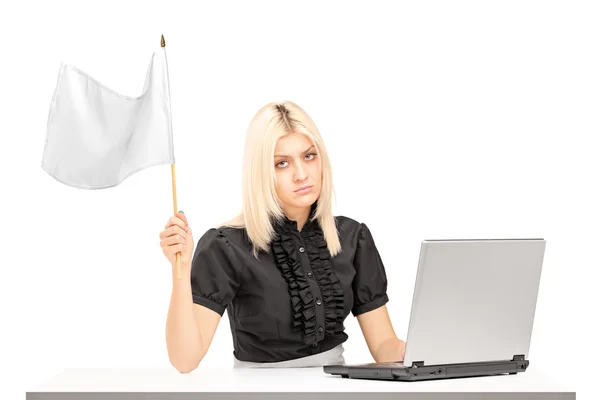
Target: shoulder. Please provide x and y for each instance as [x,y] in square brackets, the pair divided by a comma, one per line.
[212,243]
[212,237]
[225,237]
[358,232]
[350,229]
[218,249]
[219,235]
[348,225]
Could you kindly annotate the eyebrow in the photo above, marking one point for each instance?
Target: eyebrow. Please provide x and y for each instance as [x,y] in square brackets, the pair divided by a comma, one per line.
[281,155]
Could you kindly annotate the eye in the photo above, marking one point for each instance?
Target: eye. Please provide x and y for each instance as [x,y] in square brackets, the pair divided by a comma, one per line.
[278,165]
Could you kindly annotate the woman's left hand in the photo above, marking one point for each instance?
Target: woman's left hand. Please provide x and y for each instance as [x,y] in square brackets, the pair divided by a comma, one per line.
[401,349]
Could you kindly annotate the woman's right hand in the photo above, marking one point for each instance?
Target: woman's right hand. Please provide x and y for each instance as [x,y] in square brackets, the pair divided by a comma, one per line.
[177,237]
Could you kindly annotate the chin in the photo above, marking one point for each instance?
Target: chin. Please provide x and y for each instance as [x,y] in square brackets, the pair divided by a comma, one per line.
[307,202]
[304,201]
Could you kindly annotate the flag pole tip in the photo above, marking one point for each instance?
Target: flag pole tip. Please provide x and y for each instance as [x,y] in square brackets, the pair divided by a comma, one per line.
[162,41]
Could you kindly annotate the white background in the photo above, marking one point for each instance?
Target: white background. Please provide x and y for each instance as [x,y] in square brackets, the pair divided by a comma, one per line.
[443,120]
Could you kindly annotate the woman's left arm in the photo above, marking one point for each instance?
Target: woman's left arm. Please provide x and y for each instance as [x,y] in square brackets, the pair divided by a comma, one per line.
[379,334]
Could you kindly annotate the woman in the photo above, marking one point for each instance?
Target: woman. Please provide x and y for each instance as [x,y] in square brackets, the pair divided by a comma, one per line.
[285,268]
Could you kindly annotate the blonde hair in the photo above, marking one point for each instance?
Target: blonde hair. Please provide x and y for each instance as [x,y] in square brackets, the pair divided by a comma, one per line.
[259,197]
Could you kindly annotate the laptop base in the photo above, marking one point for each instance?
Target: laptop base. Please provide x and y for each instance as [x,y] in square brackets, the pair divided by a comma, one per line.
[420,372]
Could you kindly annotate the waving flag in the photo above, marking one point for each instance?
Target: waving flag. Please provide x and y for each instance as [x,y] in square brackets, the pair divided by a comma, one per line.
[96,137]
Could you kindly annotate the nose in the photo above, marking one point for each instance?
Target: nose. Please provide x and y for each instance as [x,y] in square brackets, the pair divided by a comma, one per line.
[299,173]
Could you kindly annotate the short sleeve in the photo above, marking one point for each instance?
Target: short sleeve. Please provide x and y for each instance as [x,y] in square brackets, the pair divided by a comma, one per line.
[213,277]
[370,280]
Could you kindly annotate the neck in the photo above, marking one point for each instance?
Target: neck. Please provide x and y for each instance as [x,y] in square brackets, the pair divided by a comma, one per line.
[300,215]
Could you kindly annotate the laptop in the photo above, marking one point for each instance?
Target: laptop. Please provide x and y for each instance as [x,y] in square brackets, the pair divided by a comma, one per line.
[472,312]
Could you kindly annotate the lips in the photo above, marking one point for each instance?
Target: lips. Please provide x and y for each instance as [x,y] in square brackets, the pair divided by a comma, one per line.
[303,187]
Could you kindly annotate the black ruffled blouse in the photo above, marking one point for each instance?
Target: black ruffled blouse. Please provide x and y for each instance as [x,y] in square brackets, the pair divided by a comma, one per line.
[291,302]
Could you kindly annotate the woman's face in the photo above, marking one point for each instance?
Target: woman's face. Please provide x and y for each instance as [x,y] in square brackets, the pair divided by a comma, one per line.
[296,166]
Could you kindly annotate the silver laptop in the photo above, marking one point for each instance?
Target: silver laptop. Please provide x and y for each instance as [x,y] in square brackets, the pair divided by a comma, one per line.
[472,311]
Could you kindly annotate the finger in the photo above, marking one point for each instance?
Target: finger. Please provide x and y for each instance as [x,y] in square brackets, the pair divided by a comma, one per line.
[172,240]
[175,221]
[177,230]
[174,229]
[176,248]
[184,218]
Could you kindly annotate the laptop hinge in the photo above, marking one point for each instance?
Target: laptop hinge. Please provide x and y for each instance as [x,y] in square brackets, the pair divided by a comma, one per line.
[516,357]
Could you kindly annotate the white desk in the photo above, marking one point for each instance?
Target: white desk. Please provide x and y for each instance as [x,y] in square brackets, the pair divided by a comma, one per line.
[292,383]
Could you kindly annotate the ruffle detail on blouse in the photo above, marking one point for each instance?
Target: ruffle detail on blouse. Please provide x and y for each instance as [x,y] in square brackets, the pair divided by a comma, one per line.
[303,306]
[328,281]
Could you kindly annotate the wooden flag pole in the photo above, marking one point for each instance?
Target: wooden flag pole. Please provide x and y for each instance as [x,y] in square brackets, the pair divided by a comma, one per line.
[178,255]
[173,180]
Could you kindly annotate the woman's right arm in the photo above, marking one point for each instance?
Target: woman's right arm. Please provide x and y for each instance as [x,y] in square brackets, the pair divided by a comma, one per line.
[190,327]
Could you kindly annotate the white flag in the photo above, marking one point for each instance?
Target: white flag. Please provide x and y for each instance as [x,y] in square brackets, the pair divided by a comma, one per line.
[96,137]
